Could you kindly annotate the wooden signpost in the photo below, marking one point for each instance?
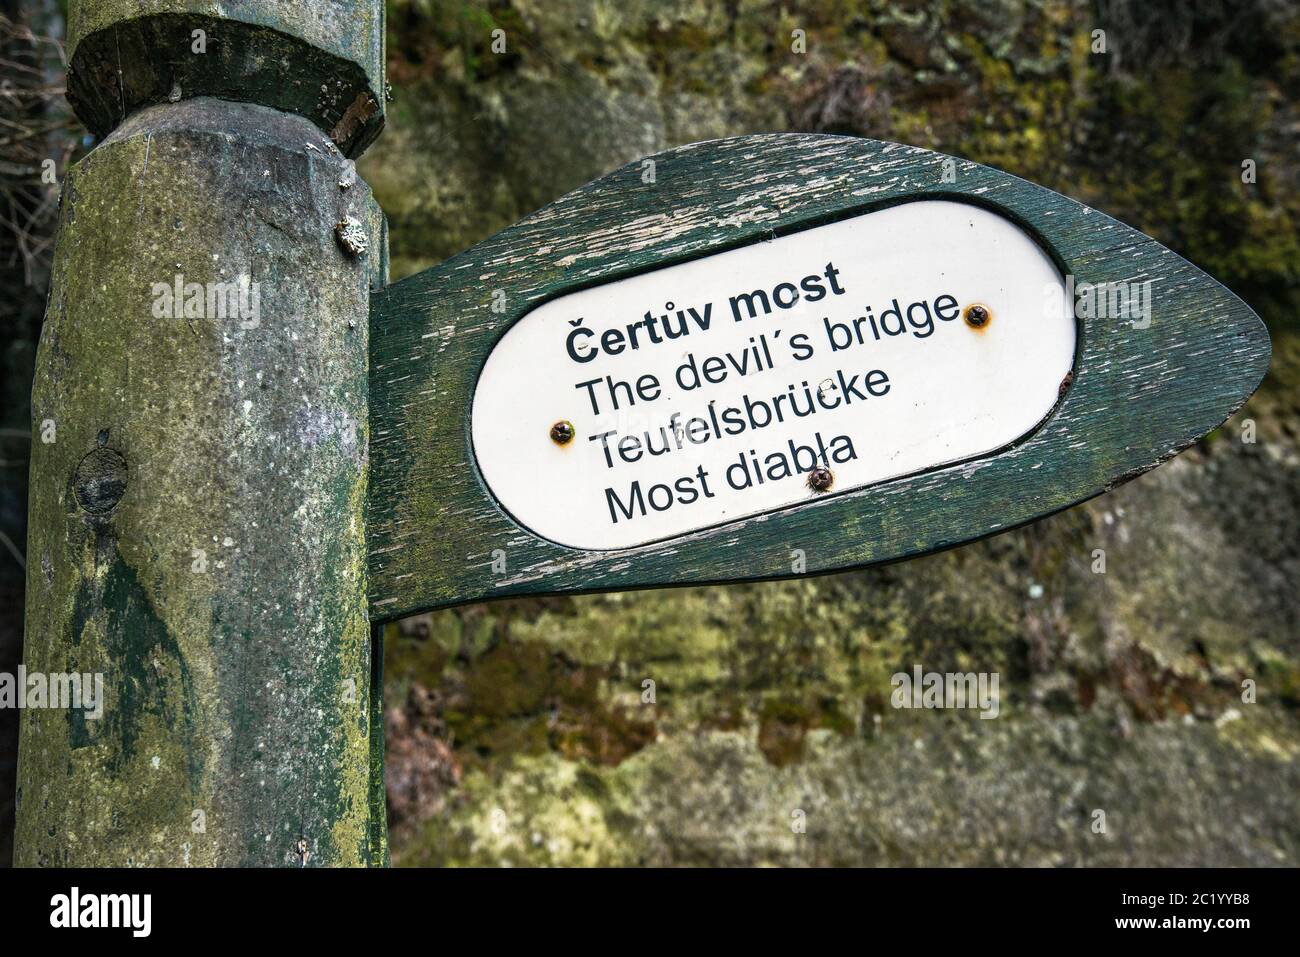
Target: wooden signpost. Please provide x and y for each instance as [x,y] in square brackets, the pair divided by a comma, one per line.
[742,359]
[196,530]
[851,350]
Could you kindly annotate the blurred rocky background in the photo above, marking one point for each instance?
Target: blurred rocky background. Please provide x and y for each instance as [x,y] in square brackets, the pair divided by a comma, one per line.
[523,732]
[38,138]
[518,732]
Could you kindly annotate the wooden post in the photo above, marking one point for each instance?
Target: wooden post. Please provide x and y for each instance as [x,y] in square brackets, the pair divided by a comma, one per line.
[199,464]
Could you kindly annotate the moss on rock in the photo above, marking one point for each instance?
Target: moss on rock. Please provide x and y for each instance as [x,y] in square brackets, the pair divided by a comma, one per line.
[1121,690]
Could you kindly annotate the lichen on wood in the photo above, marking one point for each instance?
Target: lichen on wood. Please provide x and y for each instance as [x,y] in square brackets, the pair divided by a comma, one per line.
[210,561]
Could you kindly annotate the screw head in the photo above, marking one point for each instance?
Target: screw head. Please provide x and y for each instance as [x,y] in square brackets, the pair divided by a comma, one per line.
[977,315]
[562,432]
[820,479]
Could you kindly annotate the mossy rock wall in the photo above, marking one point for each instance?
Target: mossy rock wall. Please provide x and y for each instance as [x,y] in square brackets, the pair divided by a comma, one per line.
[523,732]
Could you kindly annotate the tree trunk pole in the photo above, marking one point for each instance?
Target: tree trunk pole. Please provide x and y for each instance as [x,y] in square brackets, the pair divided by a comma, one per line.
[200,446]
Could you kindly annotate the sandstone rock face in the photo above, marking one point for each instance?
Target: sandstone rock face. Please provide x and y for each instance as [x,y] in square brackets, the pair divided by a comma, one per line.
[753,724]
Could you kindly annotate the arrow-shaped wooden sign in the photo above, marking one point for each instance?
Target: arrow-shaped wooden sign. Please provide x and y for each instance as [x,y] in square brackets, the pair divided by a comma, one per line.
[776,355]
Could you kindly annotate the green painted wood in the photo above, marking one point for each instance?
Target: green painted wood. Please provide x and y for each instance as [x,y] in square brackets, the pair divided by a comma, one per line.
[322,59]
[1138,396]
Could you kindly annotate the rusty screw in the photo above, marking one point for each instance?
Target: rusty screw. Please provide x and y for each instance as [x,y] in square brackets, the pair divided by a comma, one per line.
[820,479]
[977,315]
[562,432]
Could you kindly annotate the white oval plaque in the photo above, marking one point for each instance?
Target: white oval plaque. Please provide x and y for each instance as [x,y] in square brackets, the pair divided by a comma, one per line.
[721,388]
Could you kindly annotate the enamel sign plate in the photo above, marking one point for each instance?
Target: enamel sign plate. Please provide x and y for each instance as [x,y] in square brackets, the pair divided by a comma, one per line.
[773,375]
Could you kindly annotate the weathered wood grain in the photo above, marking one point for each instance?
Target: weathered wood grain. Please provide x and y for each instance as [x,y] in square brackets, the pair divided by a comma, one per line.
[196,523]
[1138,395]
[322,59]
